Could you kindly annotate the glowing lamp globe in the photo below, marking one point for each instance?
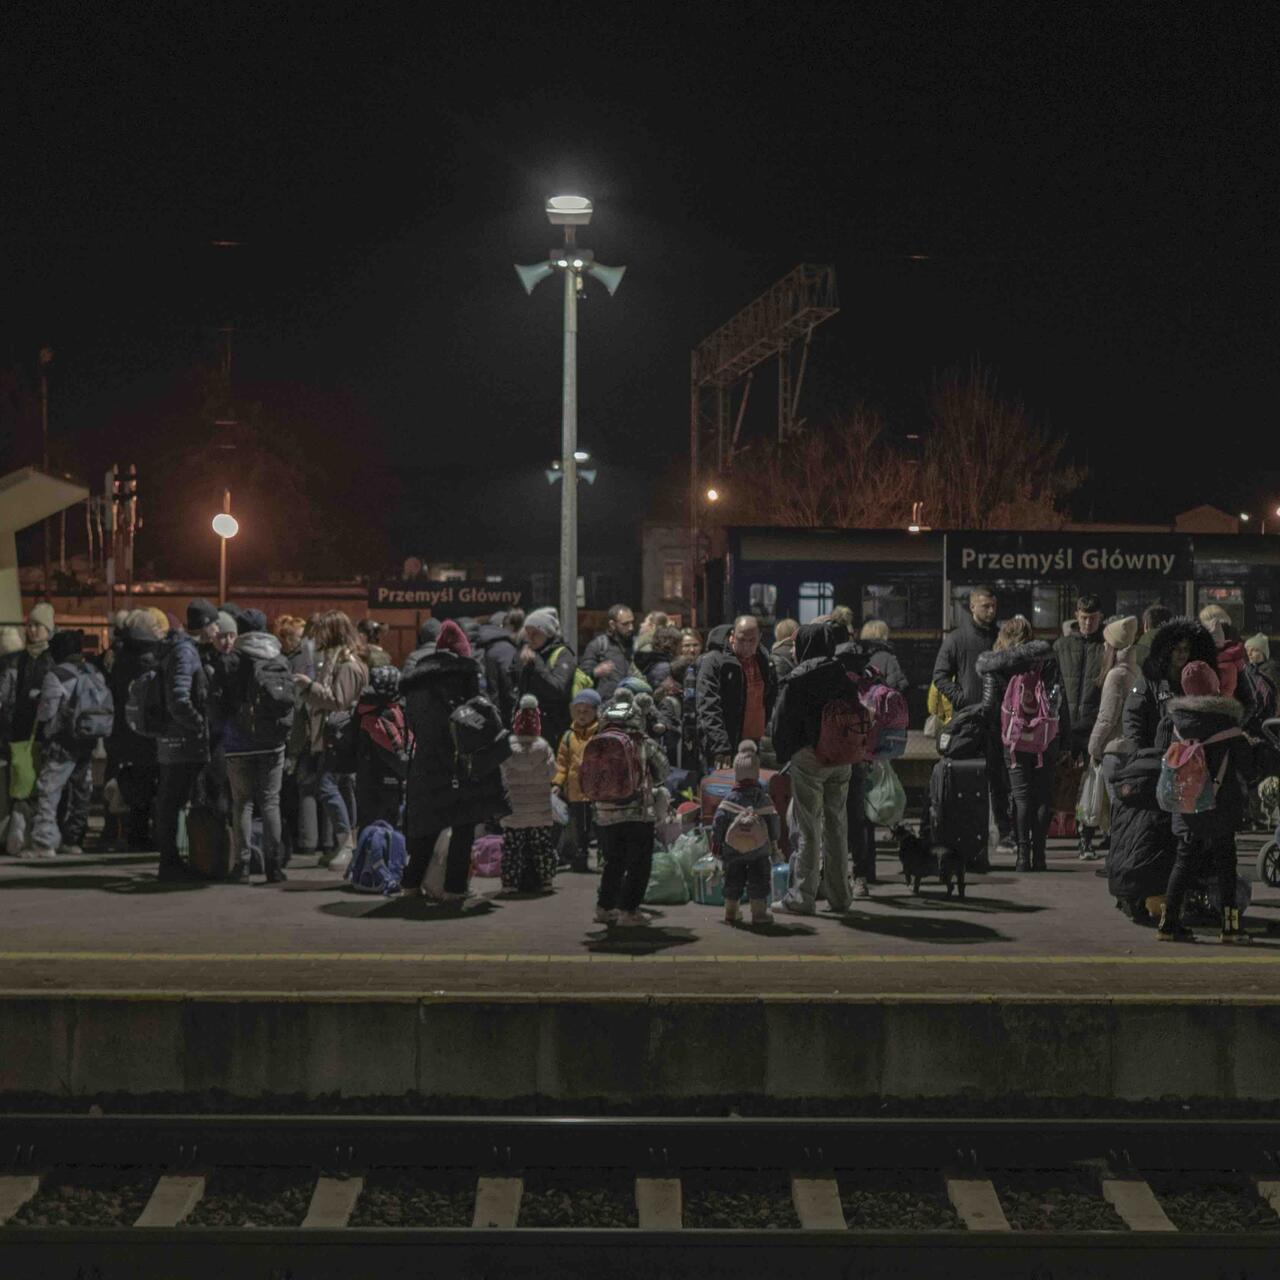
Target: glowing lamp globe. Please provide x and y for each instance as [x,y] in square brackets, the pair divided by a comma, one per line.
[225,525]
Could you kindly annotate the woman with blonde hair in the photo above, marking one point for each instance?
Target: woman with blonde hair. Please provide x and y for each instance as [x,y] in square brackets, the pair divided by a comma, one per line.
[1017,652]
[880,654]
[339,678]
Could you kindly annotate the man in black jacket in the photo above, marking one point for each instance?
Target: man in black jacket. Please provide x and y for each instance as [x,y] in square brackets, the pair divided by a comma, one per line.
[1079,656]
[737,688]
[955,674]
[610,658]
[497,647]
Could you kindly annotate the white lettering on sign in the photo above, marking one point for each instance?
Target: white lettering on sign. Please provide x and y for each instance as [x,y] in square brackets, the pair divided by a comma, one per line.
[1099,559]
[446,594]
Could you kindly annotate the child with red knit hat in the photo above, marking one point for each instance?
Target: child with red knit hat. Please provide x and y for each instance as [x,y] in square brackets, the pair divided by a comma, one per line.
[530,835]
[1206,840]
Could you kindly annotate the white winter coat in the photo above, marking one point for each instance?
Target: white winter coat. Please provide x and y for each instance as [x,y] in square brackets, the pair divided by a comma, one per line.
[1107,729]
[527,774]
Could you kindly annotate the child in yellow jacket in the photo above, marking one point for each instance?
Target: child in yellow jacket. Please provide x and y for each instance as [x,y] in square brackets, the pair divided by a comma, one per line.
[585,711]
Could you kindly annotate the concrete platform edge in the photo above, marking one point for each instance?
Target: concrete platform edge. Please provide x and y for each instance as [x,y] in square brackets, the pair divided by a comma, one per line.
[676,1046]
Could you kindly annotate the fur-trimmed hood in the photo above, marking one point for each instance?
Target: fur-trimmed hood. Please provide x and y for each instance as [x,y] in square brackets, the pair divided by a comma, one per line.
[1009,662]
[1202,716]
[1155,666]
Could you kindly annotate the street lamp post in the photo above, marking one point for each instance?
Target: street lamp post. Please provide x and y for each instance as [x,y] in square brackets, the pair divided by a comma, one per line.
[226,526]
[569,212]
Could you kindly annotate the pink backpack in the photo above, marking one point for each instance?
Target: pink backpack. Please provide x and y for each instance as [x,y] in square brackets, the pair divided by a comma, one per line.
[486,856]
[612,769]
[889,718]
[845,732]
[1185,785]
[1028,721]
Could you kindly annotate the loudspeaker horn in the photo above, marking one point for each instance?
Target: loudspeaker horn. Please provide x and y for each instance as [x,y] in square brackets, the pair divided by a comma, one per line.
[532,276]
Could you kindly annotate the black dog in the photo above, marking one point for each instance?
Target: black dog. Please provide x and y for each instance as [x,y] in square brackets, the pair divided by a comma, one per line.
[920,860]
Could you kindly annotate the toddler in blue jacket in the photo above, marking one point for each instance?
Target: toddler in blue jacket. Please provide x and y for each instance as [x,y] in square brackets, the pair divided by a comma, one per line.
[744,834]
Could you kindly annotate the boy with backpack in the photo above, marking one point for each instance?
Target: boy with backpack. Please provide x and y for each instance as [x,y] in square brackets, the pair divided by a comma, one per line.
[744,835]
[1203,783]
[585,713]
[381,748]
[621,769]
[530,835]
[74,711]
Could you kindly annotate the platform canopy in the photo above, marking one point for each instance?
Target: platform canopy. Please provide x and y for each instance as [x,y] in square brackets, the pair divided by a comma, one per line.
[26,497]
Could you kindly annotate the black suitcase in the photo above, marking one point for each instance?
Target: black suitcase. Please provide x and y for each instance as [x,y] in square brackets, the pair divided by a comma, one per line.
[959,808]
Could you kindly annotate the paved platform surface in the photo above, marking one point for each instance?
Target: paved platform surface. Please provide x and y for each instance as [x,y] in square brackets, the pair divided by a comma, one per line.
[102,923]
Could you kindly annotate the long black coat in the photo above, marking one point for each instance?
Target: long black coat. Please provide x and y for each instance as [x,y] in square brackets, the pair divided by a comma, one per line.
[1080,661]
[434,682]
[998,666]
[955,670]
[1143,721]
[550,682]
[135,652]
[722,700]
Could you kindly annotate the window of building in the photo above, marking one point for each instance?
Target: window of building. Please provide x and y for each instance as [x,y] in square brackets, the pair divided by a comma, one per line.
[816,598]
[762,601]
[604,590]
[890,603]
[673,579]
[1046,608]
[540,588]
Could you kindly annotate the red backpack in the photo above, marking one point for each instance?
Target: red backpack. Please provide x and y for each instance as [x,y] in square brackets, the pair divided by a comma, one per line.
[612,769]
[845,731]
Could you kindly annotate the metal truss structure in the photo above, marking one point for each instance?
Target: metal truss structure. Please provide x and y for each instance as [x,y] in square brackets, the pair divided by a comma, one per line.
[771,327]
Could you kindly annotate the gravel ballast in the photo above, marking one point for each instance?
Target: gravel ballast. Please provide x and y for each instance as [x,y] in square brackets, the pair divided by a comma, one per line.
[1198,1203]
[721,1201]
[579,1198]
[88,1197]
[896,1200]
[254,1198]
[1054,1200]
[416,1198]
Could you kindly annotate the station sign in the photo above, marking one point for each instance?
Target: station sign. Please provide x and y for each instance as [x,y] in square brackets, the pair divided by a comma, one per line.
[458,599]
[1069,557]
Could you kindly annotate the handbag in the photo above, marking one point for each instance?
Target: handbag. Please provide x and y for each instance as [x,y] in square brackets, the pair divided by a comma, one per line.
[22,768]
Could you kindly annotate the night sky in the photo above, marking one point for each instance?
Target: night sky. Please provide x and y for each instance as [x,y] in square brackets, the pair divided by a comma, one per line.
[1092,190]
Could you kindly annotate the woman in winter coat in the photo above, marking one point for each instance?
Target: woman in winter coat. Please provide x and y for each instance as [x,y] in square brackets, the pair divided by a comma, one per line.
[1115,680]
[437,677]
[531,836]
[1177,642]
[545,666]
[1017,652]
[339,678]
[880,654]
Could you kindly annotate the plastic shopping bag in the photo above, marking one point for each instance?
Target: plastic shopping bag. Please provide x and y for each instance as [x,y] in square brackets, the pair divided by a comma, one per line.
[885,800]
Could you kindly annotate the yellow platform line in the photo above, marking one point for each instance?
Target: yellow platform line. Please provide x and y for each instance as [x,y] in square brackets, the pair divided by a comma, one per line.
[1199,958]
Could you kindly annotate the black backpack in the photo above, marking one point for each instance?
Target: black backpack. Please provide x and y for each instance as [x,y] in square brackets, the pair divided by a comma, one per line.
[144,707]
[480,743]
[964,736]
[269,701]
[89,712]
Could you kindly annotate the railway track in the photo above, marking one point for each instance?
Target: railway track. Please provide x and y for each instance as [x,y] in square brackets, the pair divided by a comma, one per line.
[502,1197]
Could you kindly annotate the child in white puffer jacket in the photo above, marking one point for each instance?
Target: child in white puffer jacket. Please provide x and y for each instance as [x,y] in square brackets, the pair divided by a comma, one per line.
[531,836]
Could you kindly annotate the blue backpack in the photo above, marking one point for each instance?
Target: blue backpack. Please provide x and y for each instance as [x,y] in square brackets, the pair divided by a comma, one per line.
[379,860]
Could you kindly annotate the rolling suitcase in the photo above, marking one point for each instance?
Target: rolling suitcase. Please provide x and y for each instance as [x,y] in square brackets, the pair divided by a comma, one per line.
[959,808]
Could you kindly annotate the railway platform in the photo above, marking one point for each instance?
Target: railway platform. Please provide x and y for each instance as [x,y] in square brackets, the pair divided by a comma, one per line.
[1032,984]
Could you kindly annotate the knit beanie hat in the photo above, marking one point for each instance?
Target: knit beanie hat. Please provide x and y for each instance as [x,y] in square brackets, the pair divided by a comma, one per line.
[453,639]
[66,644]
[746,764]
[252,620]
[635,684]
[227,625]
[199,614]
[527,721]
[1120,633]
[1200,680]
[11,641]
[385,681]
[1259,641]
[546,620]
[43,614]
[589,696]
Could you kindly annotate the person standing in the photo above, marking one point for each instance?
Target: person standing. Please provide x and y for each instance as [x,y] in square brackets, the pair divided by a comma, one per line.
[131,758]
[736,691]
[610,658]
[546,666]
[496,642]
[182,750]
[1154,617]
[74,710]
[1118,672]
[819,786]
[956,678]
[438,676]
[255,695]
[568,776]
[1079,656]
[880,654]
[529,832]
[1030,775]
[339,678]
[783,652]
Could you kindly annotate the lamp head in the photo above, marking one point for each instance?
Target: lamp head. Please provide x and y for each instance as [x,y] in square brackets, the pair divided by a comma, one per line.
[225,525]
[610,277]
[569,211]
[534,275]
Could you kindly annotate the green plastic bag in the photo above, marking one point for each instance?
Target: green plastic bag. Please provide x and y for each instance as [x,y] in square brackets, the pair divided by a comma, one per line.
[884,800]
[687,849]
[667,887]
[22,769]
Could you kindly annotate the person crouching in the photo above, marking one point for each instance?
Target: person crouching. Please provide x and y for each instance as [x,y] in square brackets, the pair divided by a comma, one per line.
[530,834]
[744,834]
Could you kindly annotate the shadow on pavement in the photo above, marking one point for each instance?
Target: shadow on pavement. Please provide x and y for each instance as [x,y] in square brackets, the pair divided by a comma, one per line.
[405,906]
[941,930]
[638,942]
[104,883]
[938,901]
[776,929]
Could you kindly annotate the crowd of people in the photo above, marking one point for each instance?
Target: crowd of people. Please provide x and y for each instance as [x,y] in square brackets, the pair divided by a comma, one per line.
[301,737]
